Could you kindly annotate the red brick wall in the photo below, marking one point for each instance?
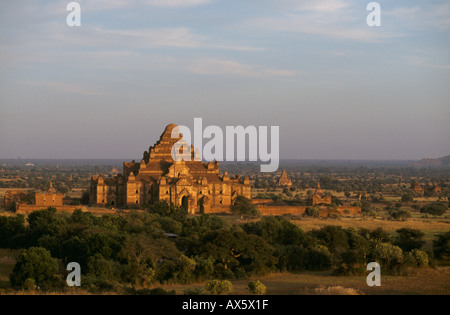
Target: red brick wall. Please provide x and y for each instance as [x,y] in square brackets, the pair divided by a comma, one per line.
[26,209]
[49,200]
[297,210]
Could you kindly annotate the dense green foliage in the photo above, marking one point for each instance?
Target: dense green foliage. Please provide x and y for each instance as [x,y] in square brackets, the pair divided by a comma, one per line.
[256,287]
[409,239]
[244,207]
[442,246]
[436,208]
[34,266]
[219,287]
[132,251]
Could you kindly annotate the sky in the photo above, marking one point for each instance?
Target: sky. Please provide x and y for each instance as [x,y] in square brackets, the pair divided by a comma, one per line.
[337,88]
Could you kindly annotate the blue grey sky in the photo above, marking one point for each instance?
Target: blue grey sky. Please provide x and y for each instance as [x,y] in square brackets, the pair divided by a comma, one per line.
[337,88]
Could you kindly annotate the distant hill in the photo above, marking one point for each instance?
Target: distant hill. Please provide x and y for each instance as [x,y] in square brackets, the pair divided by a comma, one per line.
[443,162]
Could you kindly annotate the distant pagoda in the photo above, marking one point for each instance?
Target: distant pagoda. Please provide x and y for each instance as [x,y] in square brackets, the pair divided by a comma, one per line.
[284,180]
[319,197]
[415,186]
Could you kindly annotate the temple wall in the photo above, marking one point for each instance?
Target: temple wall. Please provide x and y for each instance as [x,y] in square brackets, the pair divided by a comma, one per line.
[26,209]
[299,210]
[49,199]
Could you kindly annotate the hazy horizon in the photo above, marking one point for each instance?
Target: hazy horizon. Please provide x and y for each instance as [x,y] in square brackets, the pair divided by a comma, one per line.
[337,88]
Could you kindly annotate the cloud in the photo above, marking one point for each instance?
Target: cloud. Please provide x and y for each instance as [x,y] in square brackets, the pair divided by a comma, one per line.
[422,61]
[334,19]
[65,87]
[321,5]
[327,26]
[230,67]
[177,3]
[97,5]
[424,16]
[54,41]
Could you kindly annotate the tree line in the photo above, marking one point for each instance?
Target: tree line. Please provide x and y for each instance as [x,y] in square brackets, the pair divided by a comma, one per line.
[131,251]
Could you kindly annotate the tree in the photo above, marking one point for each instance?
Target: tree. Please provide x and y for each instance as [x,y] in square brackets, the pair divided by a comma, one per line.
[399,214]
[436,209]
[85,198]
[388,256]
[365,206]
[420,258]
[378,235]
[276,230]
[351,262]
[441,246]
[335,200]
[333,238]
[137,252]
[409,239]
[45,221]
[102,273]
[244,207]
[235,253]
[164,209]
[180,270]
[37,264]
[198,226]
[318,258]
[9,227]
[407,197]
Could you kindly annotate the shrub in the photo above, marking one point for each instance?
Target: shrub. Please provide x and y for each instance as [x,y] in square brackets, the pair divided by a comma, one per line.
[29,284]
[389,256]
[420,257]
[256,287]
[399,214]
[219,287]
[155,291]
[36,264]
[312,212]
[194,291]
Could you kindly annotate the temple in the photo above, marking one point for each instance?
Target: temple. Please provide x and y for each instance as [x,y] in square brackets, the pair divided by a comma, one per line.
[416,188]
[185,182]
[284,180]
[319,197]
[49,199]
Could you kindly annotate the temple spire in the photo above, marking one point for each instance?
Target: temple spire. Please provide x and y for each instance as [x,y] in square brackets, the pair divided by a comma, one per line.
[51,189]
[318,189]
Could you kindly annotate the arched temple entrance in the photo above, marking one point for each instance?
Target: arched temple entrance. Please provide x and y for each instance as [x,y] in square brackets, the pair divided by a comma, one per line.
[185,203]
